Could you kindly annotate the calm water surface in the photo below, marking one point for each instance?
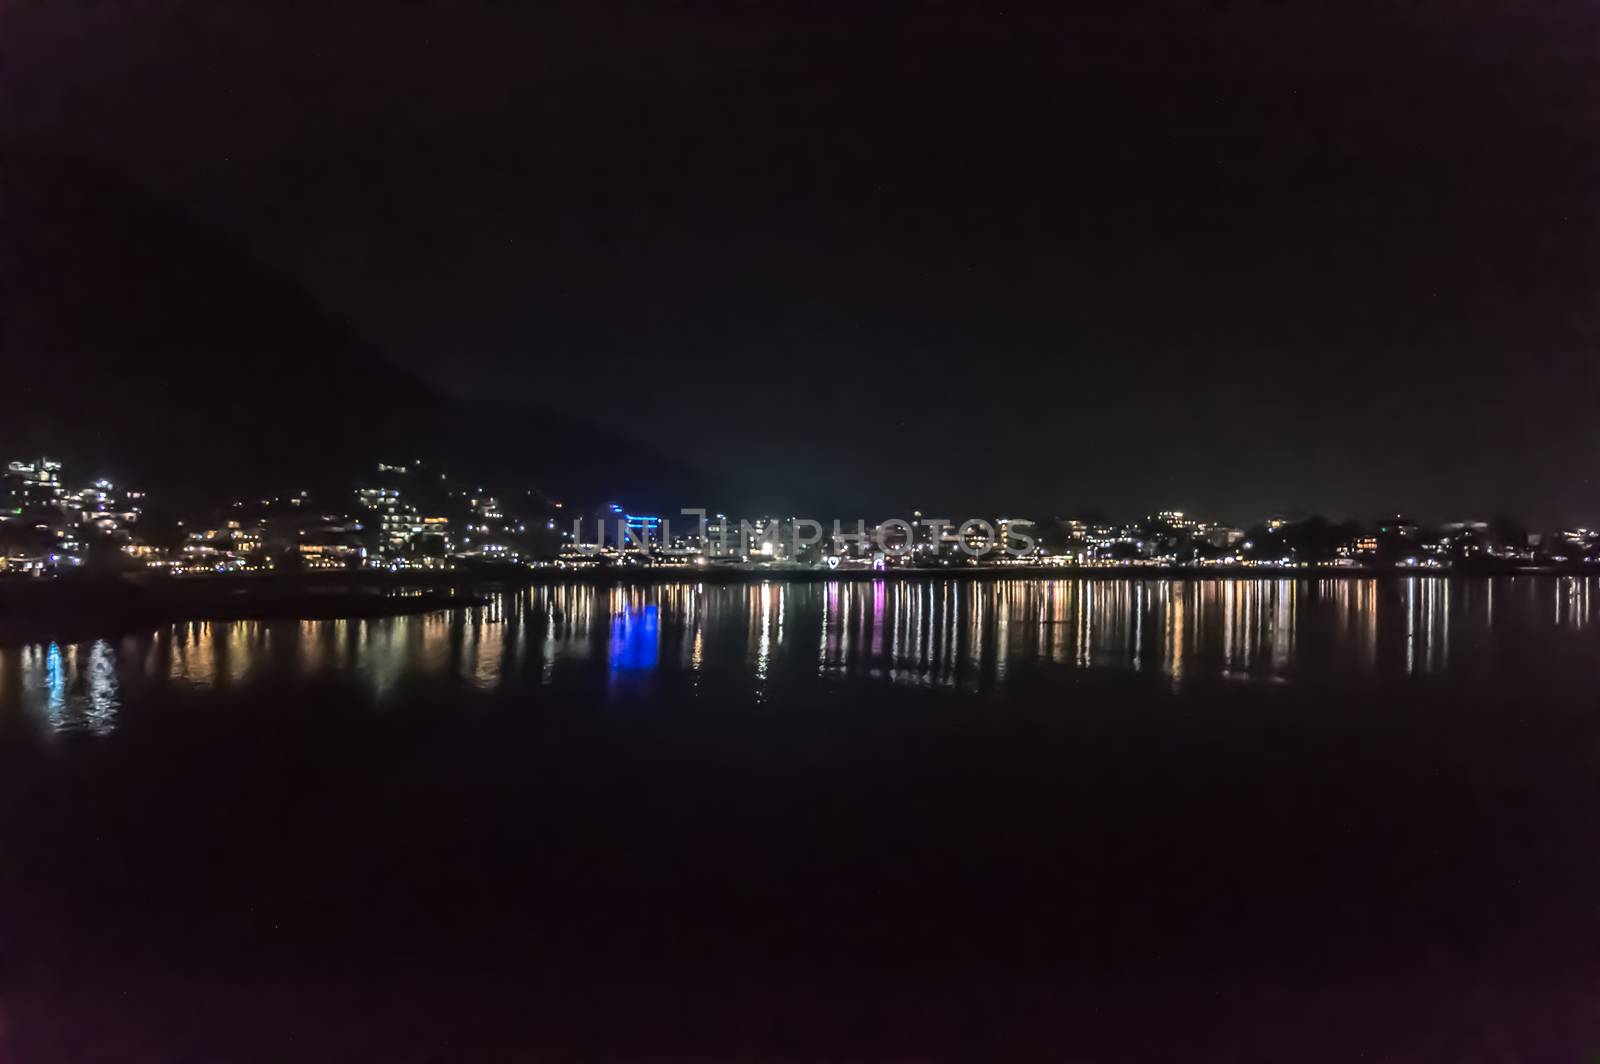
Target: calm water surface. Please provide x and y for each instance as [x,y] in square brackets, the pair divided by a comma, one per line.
[747,640]
[903,819]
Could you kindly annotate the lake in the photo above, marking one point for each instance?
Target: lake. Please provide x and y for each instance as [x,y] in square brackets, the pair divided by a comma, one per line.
[902,818]
[750,640]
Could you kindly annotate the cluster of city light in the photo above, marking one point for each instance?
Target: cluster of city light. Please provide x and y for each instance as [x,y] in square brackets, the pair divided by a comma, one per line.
[45,526]
[412,519]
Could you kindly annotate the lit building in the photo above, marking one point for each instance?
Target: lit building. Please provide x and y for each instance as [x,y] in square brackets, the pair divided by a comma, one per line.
[330,546]
[101,509]
[1362,548]
[723,541]
[397,521]
[1219,536]
[434,540]
[34,484]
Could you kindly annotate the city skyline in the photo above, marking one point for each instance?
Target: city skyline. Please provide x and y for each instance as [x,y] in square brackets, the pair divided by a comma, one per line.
[411,517]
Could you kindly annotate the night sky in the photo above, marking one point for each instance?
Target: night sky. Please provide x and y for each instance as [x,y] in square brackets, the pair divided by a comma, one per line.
[1246,259]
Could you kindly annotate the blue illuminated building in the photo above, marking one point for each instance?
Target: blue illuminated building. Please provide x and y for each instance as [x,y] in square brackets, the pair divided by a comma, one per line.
[643,529]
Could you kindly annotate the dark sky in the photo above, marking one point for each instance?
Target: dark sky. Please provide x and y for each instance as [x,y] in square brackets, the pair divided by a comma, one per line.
[1246,258]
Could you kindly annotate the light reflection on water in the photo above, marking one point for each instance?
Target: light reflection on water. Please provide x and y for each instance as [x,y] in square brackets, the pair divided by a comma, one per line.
[71,687]
[950,634]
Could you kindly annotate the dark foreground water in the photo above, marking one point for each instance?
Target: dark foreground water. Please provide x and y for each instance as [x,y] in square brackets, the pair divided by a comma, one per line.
[1081,820]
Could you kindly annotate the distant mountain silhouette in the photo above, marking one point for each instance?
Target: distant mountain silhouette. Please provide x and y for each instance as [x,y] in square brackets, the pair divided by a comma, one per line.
[134,341]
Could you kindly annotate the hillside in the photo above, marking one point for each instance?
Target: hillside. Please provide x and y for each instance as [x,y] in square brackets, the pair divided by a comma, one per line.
[135,342]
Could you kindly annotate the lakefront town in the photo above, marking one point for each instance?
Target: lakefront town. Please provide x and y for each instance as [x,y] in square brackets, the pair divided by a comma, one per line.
[413,519]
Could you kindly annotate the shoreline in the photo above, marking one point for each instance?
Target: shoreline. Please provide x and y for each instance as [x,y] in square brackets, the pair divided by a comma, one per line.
[1027,572]
[73,609]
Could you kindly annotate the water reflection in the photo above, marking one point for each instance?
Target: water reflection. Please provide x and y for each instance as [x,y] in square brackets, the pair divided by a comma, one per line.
[69,686]
[635,638]
[748,638]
